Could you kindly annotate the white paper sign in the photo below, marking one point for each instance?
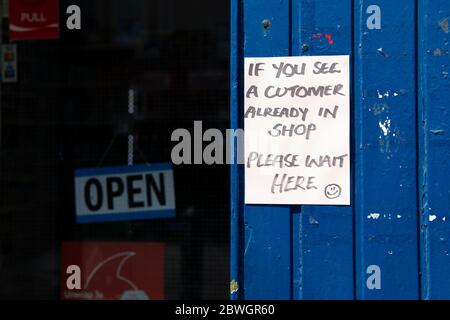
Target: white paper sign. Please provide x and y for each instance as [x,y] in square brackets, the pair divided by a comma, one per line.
[297,130]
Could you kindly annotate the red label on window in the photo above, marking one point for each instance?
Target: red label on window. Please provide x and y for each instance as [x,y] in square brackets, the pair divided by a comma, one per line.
[112,271]
[33,19]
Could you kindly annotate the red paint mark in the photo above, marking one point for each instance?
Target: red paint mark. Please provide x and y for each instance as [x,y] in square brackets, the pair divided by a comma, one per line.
[329,38]
[320,36]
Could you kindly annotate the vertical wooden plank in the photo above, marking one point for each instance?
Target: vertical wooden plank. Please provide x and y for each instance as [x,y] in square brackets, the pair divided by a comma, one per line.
[235,176]
[386,170]
[267,229]
[434,132]
[323,238]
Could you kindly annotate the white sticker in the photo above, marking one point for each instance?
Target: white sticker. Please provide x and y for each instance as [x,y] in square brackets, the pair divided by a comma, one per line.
[8,63]
[297,130]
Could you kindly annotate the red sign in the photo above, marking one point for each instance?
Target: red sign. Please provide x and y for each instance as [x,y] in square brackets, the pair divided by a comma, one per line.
[113,271]
[33,19]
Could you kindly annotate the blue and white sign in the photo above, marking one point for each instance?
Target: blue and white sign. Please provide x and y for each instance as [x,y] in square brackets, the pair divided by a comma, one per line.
[124,193]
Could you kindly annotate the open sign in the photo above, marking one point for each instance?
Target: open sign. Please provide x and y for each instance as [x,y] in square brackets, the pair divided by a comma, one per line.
[124,193]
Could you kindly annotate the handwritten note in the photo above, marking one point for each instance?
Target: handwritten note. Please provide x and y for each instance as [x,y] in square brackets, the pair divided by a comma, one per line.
[297,130]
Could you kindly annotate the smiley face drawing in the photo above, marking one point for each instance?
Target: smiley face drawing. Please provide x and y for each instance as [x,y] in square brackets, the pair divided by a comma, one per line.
[333,191]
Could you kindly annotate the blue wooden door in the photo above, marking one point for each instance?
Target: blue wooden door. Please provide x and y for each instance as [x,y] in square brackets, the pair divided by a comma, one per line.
[393,242]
